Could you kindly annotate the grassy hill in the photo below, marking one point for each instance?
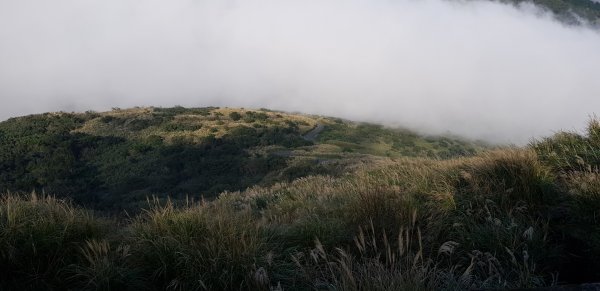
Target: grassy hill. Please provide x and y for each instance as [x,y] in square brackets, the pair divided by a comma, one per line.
[114,160]
[360,217]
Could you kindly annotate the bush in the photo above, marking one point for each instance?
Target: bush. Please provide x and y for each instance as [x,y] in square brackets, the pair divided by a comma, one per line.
[235,116]
[171,127]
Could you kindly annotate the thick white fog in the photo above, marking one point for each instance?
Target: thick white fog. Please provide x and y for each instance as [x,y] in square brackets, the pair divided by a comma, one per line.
[473,68]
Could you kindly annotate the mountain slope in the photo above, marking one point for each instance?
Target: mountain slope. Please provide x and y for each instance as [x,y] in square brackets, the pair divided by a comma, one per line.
[511,218]
[114,160]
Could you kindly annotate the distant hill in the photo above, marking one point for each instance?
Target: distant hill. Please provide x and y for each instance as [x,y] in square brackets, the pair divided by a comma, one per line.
[115,160]
[569,11]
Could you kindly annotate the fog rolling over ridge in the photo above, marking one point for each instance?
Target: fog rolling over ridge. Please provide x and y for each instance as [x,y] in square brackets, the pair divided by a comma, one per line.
[479,69]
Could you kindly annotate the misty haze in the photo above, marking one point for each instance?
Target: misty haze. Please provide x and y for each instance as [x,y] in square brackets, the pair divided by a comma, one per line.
[479,69]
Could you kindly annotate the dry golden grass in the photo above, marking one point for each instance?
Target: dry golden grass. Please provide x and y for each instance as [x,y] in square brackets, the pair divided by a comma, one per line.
[217,123]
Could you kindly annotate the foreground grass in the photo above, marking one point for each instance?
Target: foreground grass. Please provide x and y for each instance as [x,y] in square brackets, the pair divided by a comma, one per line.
[511,218]
[39,239]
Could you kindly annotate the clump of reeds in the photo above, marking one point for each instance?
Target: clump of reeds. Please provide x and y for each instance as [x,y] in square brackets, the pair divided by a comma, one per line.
[40,237]
[200,247]
[374,262]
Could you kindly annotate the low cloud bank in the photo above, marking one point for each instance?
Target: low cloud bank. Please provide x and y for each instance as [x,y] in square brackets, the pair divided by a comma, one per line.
[474,68]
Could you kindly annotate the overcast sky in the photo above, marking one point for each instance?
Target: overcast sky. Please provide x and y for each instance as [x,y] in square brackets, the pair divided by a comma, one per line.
[475,68]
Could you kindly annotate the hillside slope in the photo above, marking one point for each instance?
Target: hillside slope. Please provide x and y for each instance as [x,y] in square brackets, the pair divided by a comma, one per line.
[116,159]
[512,218]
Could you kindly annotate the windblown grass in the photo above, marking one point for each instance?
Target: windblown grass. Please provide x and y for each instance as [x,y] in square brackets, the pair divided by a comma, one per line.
[200,247]
[39,238]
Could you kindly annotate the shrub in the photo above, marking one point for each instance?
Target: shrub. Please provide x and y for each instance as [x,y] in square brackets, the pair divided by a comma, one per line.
[179,126]
[235,116]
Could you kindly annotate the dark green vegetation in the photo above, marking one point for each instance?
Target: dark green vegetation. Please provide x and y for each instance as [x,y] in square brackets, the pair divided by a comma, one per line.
[503,218]
[378,140]
[568,11]
[114,160]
